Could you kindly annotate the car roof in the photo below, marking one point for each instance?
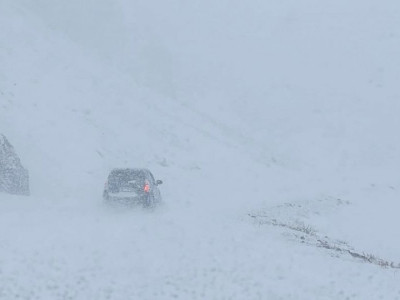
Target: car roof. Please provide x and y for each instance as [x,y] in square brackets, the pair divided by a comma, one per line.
[130,169]
[133,170]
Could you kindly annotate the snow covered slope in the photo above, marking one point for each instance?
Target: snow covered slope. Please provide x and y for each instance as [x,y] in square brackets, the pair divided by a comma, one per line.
[283,109]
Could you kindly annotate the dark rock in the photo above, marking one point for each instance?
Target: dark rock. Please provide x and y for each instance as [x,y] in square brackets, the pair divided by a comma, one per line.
[14,178]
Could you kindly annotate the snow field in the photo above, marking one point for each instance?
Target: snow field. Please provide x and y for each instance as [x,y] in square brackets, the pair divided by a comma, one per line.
[266,105]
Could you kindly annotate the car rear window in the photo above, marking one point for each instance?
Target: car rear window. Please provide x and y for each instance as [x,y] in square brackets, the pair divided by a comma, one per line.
[126,177]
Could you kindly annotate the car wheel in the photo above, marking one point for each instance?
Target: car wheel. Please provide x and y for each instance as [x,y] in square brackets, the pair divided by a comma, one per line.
[106,197]
[148,201]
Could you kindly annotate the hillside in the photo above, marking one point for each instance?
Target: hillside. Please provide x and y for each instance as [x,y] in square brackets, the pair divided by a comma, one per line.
[279,110]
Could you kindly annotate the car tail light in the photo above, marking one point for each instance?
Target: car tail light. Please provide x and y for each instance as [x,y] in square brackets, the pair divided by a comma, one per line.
[146,188]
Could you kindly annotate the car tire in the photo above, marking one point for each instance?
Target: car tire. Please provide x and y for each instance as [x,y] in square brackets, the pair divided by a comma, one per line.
[148,202]
[106,196]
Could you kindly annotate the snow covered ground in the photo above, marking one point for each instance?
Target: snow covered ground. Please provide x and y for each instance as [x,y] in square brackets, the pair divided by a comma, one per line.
[285,111]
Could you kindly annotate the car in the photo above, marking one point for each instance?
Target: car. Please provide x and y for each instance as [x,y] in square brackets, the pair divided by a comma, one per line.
[132,186]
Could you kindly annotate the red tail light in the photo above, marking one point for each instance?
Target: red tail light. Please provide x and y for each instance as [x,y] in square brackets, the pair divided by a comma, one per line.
[146,188]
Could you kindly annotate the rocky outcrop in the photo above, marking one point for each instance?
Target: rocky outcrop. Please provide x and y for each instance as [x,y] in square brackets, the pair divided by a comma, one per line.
[14,178]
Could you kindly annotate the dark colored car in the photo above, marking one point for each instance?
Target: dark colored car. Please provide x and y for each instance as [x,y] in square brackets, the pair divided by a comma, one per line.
[132,186]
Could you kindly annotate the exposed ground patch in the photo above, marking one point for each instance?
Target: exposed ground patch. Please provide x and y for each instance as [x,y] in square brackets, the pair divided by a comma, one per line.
[287,216]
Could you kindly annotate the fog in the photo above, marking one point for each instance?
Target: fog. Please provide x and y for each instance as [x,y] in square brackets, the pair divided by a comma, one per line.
[272,125]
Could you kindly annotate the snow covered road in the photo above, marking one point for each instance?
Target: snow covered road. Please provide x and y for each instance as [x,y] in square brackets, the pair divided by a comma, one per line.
[82,250]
